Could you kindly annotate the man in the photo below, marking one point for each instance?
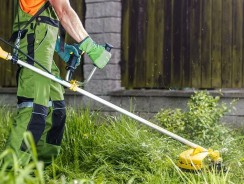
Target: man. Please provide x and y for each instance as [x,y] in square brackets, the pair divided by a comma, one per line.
[41,107]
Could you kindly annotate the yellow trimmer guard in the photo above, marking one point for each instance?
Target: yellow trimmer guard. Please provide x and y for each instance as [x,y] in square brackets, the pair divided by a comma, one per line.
[196,158]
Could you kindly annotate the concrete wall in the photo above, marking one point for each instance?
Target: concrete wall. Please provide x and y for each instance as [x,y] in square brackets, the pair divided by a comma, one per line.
[145,103]
[103,23]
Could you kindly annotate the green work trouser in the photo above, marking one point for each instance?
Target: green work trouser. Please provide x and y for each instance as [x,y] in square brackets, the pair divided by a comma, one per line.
[41,107]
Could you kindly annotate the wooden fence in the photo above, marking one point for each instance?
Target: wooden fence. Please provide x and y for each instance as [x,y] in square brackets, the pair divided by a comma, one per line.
[8,70]
[182,43]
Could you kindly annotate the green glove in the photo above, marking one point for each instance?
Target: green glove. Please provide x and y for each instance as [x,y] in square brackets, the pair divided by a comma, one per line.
[96,53]
[68,49]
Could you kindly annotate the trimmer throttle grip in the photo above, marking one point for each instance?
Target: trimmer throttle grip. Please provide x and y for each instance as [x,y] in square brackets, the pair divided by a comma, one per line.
[73,61]
[71,66]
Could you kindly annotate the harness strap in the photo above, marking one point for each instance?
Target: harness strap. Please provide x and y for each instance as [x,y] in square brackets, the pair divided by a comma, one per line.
[22,32]
[48,20]
[62,37]
[44,7]
[30,47]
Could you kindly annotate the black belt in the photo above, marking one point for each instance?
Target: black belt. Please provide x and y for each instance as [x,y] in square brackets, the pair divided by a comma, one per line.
[47,20]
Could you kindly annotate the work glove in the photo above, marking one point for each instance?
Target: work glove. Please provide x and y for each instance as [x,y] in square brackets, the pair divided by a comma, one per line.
[68,50]
[96,53]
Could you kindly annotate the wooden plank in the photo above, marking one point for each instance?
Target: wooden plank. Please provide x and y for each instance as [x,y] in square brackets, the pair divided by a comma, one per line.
[158,44]
[132,44]
[3,13]
[195,43]
[167,44]
[216,43]
[150,32]
[125,42]
[185,44]
[206,44]
[8,73]
[176,69]
[237,41]
[142,45]
[209,52]
[226,43]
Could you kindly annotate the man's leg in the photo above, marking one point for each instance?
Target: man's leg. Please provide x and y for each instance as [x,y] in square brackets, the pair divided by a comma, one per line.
[15,140]
[31,115]
[49,145]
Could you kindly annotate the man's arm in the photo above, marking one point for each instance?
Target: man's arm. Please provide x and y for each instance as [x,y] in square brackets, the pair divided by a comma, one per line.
[69,19]
[72,24]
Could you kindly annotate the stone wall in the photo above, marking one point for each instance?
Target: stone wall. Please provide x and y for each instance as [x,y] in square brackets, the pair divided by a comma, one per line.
[145,103]
[103,23]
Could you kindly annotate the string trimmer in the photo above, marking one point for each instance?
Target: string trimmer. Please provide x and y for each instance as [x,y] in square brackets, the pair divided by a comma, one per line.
[192,159]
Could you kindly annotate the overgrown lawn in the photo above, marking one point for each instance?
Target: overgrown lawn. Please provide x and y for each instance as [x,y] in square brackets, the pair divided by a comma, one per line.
[109,149]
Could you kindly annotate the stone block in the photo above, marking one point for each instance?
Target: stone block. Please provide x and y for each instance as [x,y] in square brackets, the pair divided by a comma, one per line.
[8,100]
[103,25]
[110,85]
[102,87]
[116,56]
[158,103]
[112,24]
[94,25]
[103,9]
[74,100]
[106,107]
[111,38]
[94,87]
[233,121]
[237,109]
[109,72]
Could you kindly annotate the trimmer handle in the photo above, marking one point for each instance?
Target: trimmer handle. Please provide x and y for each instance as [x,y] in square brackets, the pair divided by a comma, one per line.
[74,59]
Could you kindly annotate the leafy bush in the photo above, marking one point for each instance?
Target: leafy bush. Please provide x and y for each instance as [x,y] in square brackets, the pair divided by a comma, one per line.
[201,120]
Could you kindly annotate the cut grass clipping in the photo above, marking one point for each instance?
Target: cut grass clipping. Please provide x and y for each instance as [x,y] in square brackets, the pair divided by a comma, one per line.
[99,149]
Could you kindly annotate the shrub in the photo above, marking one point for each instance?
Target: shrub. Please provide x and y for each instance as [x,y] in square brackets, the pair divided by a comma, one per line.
[201,120]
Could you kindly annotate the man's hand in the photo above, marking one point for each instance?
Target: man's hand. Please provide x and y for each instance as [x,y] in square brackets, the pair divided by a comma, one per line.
[96,53]
[68,50]
[72,24]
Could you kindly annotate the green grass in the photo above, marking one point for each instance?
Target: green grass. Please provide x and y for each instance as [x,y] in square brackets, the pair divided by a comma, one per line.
[99,149]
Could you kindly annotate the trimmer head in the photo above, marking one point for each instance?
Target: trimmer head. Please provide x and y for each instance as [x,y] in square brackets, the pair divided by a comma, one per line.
[196,159]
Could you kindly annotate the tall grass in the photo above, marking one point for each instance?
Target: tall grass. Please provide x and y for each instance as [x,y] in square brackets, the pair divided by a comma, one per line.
[31,173]
[119,150]
[99,149]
